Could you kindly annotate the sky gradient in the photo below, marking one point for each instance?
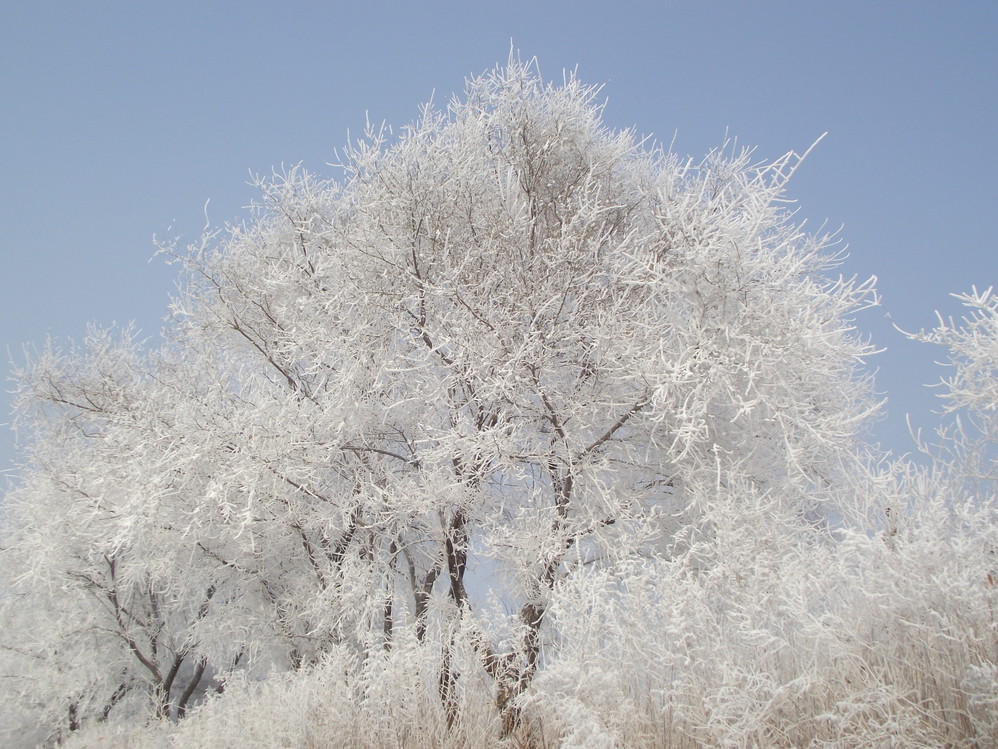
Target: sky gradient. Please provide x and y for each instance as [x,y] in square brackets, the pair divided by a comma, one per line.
[124,120]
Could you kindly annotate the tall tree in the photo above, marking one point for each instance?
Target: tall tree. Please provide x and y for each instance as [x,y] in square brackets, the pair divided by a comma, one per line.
[505,348]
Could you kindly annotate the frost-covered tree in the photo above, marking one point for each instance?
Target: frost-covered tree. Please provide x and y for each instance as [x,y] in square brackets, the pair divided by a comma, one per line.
[968,448]
[416,429]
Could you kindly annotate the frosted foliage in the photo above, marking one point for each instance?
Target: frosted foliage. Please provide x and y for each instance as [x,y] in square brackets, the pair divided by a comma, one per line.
[973,346]
[969,447]
[520,432]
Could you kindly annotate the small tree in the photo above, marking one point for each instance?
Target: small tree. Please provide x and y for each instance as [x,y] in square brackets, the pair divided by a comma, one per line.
[508,347]
[968,446]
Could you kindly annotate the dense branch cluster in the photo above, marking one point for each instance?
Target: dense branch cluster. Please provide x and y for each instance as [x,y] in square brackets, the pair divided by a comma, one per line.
[523,428]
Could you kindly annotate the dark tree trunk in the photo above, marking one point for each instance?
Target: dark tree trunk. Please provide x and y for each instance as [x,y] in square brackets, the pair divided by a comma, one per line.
[191,686]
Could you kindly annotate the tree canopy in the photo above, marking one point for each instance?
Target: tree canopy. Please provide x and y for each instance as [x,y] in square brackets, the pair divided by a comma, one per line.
[519,427]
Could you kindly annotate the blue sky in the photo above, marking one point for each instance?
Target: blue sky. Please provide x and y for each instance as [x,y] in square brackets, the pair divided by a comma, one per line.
[120,120]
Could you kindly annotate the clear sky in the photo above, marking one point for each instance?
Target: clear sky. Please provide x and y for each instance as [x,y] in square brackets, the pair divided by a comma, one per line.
[121,119]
